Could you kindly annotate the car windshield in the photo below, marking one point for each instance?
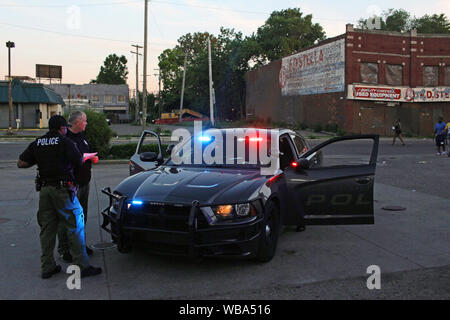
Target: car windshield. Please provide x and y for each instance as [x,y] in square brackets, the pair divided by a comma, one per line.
[249,148]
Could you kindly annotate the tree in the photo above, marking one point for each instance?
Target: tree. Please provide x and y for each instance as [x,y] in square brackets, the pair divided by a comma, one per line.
[401,21]
[286,32]
[397,20]
[98,132]
[432,24]
[113,71]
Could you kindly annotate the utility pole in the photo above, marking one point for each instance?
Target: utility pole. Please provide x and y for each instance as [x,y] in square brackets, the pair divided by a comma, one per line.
[144,89]
[10,45]
[211,103]
[159,91]
[136,113]
[182,88]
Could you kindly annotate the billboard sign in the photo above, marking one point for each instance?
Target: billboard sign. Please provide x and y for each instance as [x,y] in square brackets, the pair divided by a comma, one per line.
[48,71]
[317,70]
[398,94]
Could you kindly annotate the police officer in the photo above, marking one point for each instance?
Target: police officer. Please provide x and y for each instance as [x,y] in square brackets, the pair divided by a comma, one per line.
[56,156]
[78,122]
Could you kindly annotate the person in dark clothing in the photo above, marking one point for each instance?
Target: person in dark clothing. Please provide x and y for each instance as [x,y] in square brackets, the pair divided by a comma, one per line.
[398,132]
[78,122]
[439,134]
[56,156]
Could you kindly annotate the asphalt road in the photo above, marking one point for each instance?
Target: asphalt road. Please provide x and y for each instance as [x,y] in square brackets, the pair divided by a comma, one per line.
[414,167]
[411,247]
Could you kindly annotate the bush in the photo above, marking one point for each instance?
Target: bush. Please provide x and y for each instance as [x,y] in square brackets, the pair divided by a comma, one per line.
[125,151]
[331,127]
[317,127]
[98,133]
[300,126]
[340,132]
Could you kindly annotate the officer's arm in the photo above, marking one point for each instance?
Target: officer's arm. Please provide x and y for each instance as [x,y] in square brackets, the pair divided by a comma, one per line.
[23,164]
[73,153]
[26,159]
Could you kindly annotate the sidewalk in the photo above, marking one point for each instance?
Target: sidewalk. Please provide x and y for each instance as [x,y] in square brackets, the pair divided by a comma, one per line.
[127,130]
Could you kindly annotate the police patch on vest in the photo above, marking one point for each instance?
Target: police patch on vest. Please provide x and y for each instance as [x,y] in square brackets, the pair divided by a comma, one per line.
[48,141]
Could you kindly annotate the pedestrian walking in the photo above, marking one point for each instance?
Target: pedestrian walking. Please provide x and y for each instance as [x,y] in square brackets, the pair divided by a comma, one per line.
[55,157]
[447,130]
[440,134]
[76,133]
[397,128]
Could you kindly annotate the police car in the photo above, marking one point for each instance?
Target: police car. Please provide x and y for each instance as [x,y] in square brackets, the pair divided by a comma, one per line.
[228,193]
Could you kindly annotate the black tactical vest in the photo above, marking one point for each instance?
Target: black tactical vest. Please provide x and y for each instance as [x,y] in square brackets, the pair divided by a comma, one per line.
[51,157]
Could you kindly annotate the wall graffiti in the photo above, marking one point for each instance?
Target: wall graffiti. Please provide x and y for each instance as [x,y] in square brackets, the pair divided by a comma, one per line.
[318,70]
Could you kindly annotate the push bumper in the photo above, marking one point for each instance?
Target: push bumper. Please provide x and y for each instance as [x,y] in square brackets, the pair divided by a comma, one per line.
[199,239]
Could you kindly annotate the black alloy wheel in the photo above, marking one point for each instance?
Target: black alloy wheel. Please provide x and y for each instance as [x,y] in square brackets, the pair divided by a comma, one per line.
[270,232]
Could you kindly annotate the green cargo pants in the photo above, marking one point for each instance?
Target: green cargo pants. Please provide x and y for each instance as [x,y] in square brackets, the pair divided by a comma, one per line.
[57,208]
[63,240]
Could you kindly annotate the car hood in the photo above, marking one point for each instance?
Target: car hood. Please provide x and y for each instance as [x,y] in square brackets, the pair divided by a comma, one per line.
[185,184]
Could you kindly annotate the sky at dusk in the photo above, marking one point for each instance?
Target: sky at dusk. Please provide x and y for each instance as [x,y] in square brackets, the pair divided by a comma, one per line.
[79,34]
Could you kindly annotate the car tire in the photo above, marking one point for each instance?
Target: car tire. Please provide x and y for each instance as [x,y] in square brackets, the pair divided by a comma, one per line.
[270,232]
[123,245]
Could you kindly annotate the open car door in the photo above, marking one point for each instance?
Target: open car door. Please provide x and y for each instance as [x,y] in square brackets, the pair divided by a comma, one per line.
[144,158]
[339,189]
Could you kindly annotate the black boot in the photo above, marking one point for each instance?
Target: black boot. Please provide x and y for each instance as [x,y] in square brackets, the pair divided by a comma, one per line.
[67,257]
[46,275]
[90,271]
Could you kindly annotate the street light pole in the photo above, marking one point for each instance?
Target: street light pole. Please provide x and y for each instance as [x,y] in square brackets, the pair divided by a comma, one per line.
[144,89]
[136,116]
[10,45]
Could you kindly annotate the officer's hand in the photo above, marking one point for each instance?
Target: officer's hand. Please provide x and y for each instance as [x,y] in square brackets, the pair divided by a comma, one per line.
[95,159]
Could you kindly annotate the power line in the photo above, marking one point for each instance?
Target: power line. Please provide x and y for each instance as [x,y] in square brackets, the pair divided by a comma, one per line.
[65,5]
[78,35]
[154,1]
[207,7]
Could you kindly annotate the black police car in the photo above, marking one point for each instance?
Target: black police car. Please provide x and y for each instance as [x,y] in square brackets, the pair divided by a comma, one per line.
[236,206]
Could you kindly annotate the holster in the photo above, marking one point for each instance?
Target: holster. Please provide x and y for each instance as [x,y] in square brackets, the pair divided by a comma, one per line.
[38,184]
[72,189]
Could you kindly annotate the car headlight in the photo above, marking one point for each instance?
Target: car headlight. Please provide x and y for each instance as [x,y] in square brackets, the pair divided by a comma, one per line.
[241,210]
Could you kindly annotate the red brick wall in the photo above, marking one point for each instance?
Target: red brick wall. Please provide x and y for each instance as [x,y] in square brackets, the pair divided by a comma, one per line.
[412,51]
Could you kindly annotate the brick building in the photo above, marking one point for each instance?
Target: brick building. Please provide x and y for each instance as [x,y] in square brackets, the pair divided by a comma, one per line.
[362,81]
[112,99]
[33,104]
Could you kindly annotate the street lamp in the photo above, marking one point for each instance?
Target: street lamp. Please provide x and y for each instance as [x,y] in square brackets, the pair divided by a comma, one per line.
[10,45]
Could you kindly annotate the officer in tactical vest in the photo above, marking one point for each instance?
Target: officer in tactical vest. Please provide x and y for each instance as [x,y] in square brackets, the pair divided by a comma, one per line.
[56,156]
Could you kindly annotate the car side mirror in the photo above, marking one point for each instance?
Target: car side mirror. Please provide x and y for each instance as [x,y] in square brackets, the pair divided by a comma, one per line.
[303,163]
[169,149]
[148,156]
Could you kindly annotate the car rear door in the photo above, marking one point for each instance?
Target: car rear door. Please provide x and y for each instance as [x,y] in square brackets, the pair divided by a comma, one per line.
[340,189]
[146,143]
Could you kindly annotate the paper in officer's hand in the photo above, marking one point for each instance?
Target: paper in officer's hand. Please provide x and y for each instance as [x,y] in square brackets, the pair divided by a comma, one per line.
[87,156]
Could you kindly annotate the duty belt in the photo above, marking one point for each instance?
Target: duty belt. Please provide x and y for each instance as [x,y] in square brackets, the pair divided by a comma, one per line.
[57,183]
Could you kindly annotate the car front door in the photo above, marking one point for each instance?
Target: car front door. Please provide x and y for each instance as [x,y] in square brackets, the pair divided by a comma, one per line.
[143,159]
[340,189]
